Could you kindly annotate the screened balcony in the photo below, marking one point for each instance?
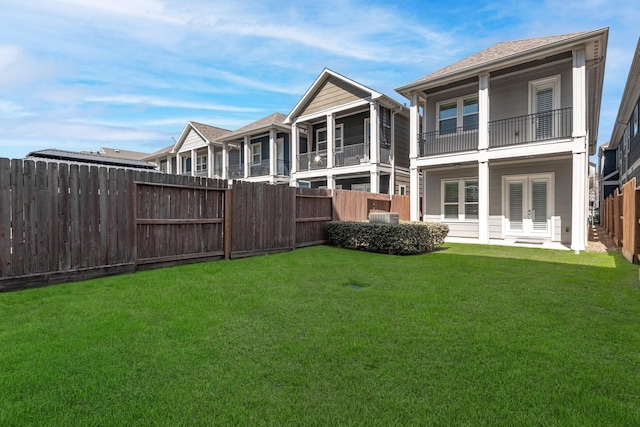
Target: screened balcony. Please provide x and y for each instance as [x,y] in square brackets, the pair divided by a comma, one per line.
[236,171]
[354,154]
[312,161]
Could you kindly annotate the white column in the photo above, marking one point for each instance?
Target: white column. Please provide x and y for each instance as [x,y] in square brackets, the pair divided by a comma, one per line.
[374,146]
[194,160]
[273,155]
[579,202]
[331,182]
[483,112]
[331,140]
[210,157]
[424,199]
[247,156]
[483,201]
[414,190]
[225,160]
[579,93]
[169,166]
[375,181]
[178,164]
[392,156]
[295,149]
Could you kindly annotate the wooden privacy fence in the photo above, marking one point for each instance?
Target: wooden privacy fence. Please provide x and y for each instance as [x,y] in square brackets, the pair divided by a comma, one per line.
[61,222]
[621,219]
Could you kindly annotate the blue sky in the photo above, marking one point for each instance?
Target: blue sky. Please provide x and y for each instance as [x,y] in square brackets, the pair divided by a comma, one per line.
[129,74]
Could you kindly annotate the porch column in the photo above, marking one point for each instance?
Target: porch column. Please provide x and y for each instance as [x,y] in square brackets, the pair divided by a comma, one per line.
[273,155]
[210,165]
[178,164]
[579,188]
[331,182]
[247,156]
[169,166]
[483,112]
[424,199]
[331,140]
[414,192]
[225,160]
[374,135]
[375,181]
[392,157]
[483,201]
[295,140]
[194,161]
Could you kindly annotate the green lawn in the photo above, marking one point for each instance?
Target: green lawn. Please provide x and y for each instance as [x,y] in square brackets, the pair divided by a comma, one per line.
[469,335]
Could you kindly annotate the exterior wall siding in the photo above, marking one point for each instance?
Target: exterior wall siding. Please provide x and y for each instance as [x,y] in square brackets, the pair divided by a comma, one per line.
[401,131]
[332,93]
[192,141]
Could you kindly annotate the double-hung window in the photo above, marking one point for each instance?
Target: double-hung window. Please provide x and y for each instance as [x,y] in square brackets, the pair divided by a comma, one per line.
[321,139]
[201,164]
[460,199]
[256,153]
[461,112]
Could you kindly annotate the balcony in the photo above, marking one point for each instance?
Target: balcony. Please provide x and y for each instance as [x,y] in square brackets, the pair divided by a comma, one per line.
[549,125]
[354,154]
[448,141]
[236,171]
[259,169]
[312,161]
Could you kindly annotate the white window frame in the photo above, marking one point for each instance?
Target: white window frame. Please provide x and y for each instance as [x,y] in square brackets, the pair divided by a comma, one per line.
[552,82]
[304,184]
[366,187]
[339,143]
[201,166]
[255,153]
[459,111]
[402,190]
[461,203]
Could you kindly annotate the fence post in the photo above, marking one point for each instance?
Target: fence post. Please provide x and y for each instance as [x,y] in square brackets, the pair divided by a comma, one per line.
[227,224]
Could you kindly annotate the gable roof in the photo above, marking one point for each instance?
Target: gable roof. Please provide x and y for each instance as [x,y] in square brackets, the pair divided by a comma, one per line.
[501,55]
[629,99]
[317,85]
[275,120]
[123,154]
[206,132]
[151,157]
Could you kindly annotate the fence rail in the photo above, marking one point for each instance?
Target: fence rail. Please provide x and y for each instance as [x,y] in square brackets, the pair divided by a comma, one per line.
[61,222]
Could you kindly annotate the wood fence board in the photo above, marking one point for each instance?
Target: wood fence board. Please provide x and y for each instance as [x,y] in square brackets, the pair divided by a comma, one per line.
[52,195]
[5,217]
[74,214]
[64,222]
[93,203]
[85,218]
[17,218]
[30,218]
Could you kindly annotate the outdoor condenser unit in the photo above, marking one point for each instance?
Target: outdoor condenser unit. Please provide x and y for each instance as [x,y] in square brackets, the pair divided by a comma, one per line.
[384,218]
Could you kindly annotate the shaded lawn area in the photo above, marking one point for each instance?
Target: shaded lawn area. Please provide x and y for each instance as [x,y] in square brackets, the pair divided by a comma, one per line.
[469,335]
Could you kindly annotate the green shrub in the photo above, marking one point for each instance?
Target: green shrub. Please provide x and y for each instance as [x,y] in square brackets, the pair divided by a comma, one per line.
[396,239]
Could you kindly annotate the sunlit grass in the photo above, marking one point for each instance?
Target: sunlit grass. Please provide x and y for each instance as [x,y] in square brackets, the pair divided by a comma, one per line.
[469,335]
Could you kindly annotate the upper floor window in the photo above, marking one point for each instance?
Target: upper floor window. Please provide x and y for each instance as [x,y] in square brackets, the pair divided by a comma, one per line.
[634,120]
[256,153]
[321,139]
[201,163]
[462,112]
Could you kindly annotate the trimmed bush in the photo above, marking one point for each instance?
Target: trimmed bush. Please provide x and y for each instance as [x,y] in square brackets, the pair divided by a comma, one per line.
[395,239]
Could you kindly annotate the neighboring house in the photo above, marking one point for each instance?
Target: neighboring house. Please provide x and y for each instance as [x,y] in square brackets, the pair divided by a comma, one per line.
[620,159]
[197,153]
[608,170]
[88,158]
[345,135]
[504,139]
[594,192]
[266,144]
[120,153]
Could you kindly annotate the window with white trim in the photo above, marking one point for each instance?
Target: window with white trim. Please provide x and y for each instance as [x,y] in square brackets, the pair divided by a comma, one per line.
[544,97]
[403,190]
[460,199]
[201,164]
[321,139]
[256,153]
[462,112]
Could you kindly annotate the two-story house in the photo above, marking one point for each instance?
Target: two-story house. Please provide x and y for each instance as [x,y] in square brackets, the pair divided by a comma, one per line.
[265,150]
[620,158]
[345,135]
[502,140]
[197,152]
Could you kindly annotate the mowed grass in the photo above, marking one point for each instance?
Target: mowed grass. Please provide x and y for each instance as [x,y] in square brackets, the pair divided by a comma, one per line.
[468,335]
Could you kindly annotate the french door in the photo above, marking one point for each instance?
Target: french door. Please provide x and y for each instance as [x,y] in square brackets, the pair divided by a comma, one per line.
[528,210]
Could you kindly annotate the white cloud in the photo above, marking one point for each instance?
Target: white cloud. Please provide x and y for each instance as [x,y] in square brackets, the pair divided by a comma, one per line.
[139,9]
[160,102]
[11,110]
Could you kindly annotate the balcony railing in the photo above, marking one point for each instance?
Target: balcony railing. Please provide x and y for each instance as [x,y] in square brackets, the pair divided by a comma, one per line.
[354,154]
[549,125]
[236,171]
[449,141]
[259,169]
[554,124]
[312,161]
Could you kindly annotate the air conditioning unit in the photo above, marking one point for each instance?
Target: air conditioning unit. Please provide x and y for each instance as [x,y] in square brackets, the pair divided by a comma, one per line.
[384,218]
